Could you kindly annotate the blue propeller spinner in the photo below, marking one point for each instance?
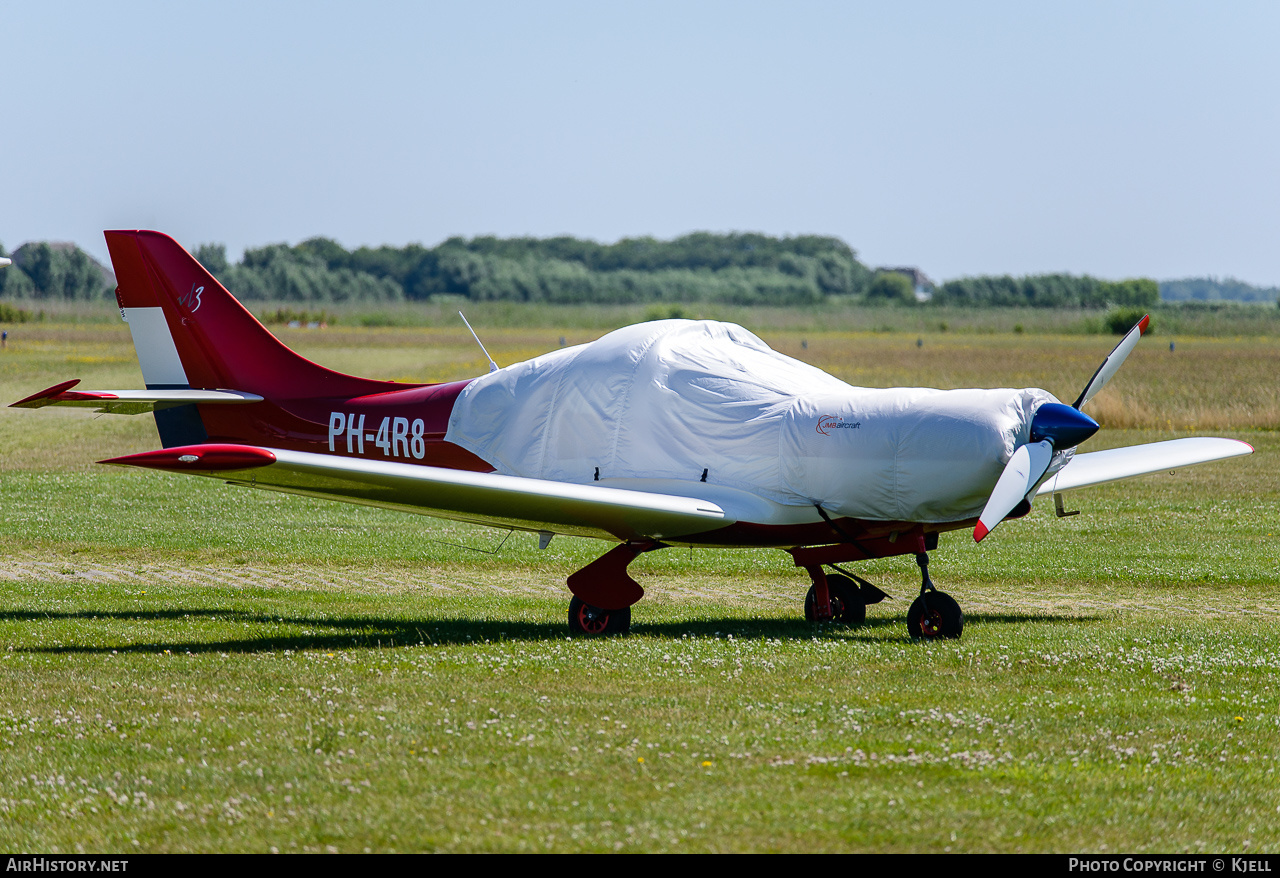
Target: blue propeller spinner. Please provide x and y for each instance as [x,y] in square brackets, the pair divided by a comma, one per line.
[1062,425]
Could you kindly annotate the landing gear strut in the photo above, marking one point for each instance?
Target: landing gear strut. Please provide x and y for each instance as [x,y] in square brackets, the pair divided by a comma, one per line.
[843,598]
[603,592]
[934,615]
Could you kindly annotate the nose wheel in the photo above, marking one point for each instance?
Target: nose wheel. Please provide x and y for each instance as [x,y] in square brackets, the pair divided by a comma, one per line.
[934,615]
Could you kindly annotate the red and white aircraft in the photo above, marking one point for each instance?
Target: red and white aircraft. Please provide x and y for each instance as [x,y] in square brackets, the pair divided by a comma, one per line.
[669,433]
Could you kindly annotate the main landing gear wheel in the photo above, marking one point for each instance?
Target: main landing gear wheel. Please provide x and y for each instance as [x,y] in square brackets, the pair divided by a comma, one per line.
[847,606]
[934,616]
[595,622]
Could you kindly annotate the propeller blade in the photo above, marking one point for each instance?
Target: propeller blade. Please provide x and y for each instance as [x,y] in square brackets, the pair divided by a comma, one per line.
[1020,475]
[1113,362]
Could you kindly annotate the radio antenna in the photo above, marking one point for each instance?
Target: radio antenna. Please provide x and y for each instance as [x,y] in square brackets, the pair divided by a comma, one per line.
[493,367]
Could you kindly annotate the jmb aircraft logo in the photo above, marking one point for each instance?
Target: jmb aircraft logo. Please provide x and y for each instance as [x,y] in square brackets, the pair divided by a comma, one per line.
[827,423]
[191,300]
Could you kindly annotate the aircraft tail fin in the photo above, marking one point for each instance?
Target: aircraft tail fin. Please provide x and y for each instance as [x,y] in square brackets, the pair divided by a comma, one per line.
[191,333]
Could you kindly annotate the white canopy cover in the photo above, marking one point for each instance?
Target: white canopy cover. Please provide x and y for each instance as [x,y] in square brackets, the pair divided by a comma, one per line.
[668,399]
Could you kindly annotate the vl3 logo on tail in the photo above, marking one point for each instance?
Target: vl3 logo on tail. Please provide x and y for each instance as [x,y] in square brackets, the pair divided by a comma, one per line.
[191,300]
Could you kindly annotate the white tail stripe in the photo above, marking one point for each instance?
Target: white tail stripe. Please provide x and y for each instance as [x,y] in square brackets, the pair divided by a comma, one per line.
[157,354]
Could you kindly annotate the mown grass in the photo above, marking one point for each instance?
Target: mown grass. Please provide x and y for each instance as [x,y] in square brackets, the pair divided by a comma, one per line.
[188,667]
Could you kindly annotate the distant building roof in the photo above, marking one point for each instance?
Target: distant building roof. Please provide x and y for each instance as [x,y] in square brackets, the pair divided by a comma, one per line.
[918,278]
[920,281]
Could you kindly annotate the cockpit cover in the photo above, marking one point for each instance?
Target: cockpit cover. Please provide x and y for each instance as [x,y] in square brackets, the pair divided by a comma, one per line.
[672,398]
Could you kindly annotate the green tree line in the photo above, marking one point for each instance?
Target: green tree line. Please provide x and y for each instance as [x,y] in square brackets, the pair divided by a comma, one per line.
[1048,291]
[61,271]
[735,268]
[702,267]
[1211,289]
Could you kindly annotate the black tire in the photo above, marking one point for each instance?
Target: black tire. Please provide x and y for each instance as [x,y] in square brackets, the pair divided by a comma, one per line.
[847,606]
[590,621]
[945,619]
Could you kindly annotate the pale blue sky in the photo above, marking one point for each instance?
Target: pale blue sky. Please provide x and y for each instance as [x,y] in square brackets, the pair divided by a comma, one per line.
[1114,138]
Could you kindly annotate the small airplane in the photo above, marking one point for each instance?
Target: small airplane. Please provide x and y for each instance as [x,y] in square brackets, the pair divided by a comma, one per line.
[675,432]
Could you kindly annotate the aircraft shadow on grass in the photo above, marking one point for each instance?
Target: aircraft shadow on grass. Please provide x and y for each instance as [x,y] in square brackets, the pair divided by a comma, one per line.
[364,632]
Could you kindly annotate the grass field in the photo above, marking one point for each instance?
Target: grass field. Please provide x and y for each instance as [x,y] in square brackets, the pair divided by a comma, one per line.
[191,667]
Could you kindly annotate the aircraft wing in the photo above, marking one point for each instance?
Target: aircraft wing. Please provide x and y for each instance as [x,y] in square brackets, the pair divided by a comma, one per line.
[130,402]
[1100,467]
[481,498]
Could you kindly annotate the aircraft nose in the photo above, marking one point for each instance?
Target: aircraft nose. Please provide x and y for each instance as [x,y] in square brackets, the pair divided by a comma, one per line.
[1062,425]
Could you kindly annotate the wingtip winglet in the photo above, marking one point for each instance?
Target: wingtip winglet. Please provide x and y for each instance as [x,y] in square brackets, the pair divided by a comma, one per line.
[1144,324]
[980,530]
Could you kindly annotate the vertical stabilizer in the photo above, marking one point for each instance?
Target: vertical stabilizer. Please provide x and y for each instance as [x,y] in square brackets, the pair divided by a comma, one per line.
[190,332]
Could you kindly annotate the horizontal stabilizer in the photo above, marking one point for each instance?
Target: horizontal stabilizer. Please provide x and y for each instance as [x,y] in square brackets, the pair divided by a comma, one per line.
[131,402]
[481,498]
[1100,467]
